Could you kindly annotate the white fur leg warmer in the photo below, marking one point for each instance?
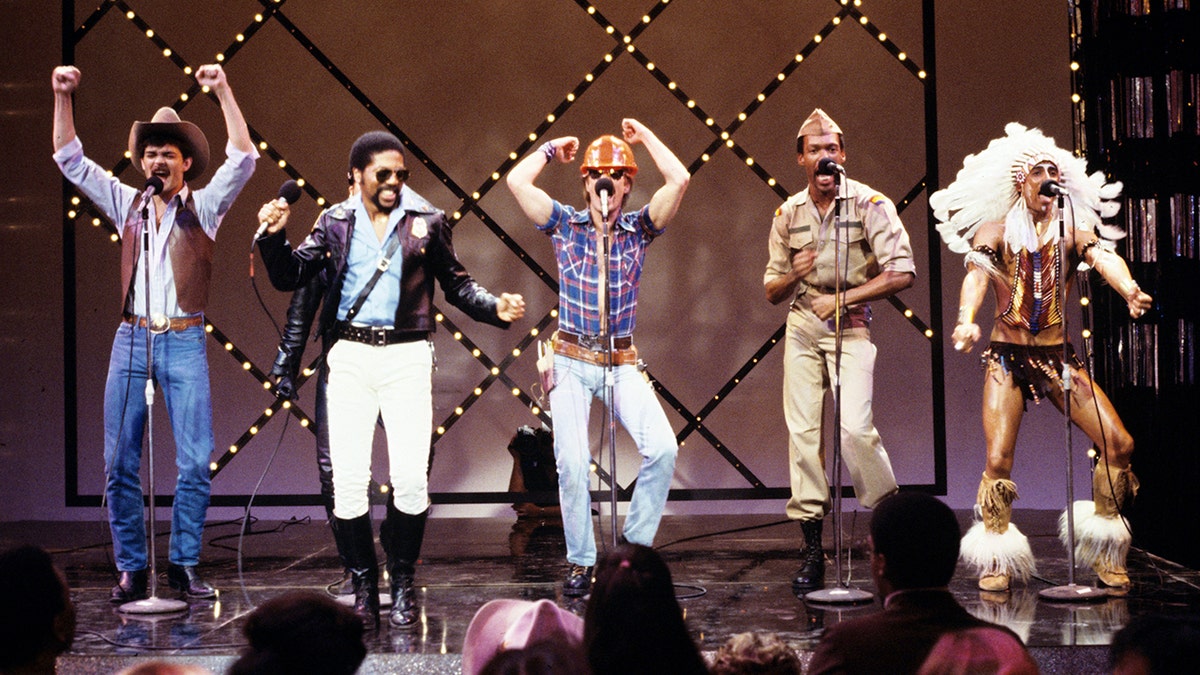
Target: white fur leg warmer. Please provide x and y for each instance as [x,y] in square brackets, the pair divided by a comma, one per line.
[991,553]
[1099,540]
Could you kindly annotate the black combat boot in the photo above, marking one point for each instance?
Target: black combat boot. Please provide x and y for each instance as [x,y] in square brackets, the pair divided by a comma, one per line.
[401,536]
[811,575]
[356,545]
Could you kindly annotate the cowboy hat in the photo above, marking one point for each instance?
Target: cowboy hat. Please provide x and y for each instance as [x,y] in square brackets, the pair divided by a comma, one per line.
[166,123]
[512,624]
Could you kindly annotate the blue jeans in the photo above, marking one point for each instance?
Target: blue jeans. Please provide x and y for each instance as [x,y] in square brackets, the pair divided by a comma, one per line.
[637,408]
[181,373]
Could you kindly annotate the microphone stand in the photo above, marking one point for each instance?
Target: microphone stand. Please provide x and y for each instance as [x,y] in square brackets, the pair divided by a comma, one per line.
[609,371]
[841,593]
[152,604]
[1071,592]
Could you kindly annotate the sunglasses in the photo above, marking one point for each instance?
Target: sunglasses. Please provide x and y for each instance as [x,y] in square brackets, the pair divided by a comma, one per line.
[384,175]
[616,174]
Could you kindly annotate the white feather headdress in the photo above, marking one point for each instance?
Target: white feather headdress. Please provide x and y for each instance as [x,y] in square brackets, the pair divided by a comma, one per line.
[988,187]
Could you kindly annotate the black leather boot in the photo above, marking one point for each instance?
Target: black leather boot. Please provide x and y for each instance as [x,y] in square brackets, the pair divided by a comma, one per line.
[346,585]
[811,575]
[356,544]
[401,536]
[130,586]
[186,580]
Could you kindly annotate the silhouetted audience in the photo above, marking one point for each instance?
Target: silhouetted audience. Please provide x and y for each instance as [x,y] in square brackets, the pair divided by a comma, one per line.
[547,657]
[913,542]
[979,651]
[633,623]
[157,667]
[37,619]
[1156,644]
[519,636]
[756,654]
[301,632]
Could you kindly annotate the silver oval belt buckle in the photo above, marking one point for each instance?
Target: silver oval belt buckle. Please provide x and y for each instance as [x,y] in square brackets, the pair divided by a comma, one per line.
[159,324]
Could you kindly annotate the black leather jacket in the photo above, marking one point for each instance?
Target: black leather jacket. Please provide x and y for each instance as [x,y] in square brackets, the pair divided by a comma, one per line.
[316,270]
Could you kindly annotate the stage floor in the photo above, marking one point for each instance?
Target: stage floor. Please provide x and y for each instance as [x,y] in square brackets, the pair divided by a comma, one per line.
[732,575]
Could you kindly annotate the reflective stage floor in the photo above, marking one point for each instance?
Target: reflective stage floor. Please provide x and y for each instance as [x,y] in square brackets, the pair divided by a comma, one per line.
[732,575]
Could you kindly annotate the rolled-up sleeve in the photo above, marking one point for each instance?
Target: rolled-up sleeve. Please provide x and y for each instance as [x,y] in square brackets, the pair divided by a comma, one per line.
[214,200]
[104,190]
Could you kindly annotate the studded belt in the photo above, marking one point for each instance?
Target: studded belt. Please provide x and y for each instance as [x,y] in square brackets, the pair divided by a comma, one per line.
[379,337]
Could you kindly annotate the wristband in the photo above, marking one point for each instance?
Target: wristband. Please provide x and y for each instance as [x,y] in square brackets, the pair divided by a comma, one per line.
[548,150]
[965,315]
[1129,287]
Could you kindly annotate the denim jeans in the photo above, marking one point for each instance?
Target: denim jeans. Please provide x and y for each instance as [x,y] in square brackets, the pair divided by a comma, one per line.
[637,408]
[181,373]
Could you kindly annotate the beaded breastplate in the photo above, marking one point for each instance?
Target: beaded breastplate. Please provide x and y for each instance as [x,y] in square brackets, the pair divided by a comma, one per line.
[1034,301]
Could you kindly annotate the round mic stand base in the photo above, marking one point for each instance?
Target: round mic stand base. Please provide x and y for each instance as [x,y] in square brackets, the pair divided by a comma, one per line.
[841,595]
[1073,593]
[153,605]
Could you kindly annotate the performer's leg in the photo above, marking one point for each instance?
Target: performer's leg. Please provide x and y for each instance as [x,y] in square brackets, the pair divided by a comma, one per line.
[570,405]
[325,469]
[353,408]
[866,459]
[1095,415]
[994,546]
[181,364]
[805,383]
[643,417]
[406,401]
[1102,534]
[804,387]
[124,424]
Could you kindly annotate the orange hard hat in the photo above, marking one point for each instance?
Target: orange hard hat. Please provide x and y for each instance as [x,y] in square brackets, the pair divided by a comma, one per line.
[608,152]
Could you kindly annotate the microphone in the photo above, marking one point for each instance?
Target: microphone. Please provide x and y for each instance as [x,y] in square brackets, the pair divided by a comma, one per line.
[288,192]
[1052,188]
[154,185]
[604,188]
[828,167]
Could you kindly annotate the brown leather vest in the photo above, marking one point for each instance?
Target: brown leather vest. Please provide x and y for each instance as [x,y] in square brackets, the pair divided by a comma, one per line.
[191,252]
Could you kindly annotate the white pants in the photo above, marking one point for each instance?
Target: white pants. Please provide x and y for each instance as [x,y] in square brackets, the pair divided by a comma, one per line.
[365,382]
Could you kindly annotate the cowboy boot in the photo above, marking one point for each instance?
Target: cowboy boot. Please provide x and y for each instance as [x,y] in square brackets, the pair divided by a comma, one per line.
[401,536]
[1103,536]
[811,574]
[993,545]
[356,545]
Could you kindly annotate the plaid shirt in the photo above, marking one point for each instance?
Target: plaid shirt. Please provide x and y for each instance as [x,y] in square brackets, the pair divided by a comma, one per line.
[575,246]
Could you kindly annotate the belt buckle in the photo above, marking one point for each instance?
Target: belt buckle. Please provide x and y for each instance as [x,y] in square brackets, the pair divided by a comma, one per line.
[159,324]
[379,336]
[591,342]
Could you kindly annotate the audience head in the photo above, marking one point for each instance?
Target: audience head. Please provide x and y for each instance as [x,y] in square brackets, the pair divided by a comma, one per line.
[164,668]
[914,539]
[503,626]
[301,632]
[37,619]
[756,654]
[633,623]
[979,651]
[548,657]
[1156,643]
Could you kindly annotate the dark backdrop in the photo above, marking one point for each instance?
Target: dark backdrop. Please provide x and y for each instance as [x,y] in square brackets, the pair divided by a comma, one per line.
[468,83]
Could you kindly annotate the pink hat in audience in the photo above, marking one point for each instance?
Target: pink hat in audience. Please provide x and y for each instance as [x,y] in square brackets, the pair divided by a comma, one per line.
[512,624]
